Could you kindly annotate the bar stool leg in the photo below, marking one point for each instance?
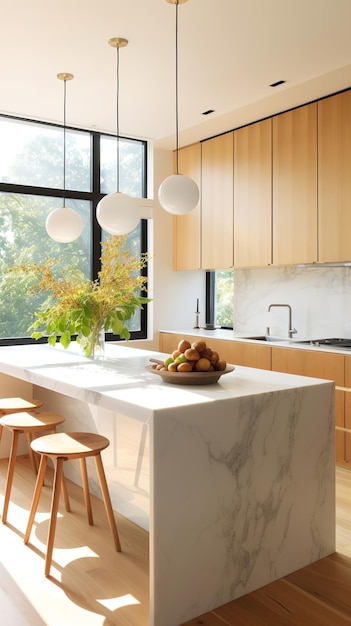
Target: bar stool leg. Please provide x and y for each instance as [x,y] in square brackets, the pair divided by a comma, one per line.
[10,472]
[32,455]
[86,491]
[54,510]
[63,484]
[107,501]
[37,490]
[65,494]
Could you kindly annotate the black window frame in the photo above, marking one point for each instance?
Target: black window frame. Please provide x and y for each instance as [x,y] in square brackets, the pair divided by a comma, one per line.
[210,299]
[94,196]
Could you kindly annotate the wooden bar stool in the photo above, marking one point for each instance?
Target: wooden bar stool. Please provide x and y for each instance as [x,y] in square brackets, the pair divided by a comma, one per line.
[30,424]
[17,405]
[62,447]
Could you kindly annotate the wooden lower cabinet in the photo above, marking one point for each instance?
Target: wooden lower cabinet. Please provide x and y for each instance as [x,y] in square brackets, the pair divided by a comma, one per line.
[320,365]
[312,363]
[347,394]
[250,355]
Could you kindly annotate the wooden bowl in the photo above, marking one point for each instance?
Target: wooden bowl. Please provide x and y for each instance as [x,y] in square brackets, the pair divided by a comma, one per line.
[189,378]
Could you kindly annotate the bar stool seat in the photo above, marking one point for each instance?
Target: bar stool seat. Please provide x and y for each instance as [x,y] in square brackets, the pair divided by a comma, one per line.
[62,447]
[30,424]
[17,405]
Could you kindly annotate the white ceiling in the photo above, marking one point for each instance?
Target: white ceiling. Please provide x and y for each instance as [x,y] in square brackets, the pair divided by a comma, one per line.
[230,51]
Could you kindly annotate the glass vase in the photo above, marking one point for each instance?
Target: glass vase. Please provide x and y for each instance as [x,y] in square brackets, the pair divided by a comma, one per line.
[93,346]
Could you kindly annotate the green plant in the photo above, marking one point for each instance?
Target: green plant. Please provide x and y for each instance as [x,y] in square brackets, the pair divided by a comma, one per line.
[82,307]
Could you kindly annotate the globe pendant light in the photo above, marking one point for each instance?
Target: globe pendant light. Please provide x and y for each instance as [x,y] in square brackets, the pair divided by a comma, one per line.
[118,213]
[178,194]
[64,225]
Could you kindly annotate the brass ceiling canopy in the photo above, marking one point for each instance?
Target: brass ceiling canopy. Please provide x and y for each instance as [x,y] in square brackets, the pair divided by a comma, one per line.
[118,42]
[176,1]
[65,76]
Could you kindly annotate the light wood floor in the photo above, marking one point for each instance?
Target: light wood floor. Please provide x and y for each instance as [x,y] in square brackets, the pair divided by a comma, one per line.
[91,584]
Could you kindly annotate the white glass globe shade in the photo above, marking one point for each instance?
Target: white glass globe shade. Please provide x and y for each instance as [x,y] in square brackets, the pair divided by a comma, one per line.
[64,225]
[118,213]
[178,194]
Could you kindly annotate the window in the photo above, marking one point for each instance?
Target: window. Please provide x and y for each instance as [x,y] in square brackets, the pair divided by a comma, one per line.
[31,184]
[220,298]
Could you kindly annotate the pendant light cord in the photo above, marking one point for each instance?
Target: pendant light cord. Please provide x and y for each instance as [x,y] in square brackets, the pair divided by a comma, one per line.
[176,87]
[117,118]
[64,142]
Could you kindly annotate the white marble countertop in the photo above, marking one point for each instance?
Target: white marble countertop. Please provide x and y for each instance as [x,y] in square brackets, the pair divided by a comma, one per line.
[121,382]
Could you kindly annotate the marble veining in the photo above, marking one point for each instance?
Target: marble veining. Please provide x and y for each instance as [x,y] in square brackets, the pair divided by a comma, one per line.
[258,501]
[320,297]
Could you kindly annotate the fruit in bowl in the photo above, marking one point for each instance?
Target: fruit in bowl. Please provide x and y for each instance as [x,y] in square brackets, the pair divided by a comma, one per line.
[195,357]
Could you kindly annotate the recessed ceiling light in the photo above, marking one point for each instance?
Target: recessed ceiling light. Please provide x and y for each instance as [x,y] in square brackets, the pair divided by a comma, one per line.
[208,112]
[278,82]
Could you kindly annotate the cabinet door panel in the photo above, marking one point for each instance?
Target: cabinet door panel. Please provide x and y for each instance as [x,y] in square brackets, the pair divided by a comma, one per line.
[348,408]
[217,203]
[186,228]
[309,363]
[334,178]
[295,186]
[253,195]
[341,452]
[250,355]
[317,365]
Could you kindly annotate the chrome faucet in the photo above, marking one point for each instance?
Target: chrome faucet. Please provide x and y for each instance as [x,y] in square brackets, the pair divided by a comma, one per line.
[291,330]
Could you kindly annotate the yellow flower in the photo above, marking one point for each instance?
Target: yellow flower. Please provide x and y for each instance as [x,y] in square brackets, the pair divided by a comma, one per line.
[81,307]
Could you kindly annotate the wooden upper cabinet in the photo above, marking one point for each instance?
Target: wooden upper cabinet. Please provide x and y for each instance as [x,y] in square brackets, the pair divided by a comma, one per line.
[334,178]
[217,203]
[186,228]
[253,195]
[295,186]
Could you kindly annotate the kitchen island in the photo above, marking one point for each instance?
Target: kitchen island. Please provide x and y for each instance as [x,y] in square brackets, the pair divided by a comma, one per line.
[231,481]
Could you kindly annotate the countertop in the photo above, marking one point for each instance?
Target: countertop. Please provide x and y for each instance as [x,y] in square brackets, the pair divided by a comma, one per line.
[230,335]
[121,382]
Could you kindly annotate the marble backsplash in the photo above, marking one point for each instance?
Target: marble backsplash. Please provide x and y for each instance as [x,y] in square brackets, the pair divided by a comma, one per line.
[320,298]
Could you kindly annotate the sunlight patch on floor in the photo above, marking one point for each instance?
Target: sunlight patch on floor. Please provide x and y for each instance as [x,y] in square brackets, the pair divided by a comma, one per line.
[64,557]
[117,603]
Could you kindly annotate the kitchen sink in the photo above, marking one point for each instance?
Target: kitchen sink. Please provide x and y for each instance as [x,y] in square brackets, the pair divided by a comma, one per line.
[270,338]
